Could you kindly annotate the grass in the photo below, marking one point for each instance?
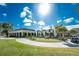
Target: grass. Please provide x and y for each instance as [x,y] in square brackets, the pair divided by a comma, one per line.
[13,48]
[46,40]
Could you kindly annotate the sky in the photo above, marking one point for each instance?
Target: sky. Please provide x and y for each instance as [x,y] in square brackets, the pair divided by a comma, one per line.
[40,15]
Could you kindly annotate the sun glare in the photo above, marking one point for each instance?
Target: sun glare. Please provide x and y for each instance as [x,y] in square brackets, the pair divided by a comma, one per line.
[44,8]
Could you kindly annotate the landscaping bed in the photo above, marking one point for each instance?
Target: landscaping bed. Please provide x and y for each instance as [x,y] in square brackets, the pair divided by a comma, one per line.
[46,40]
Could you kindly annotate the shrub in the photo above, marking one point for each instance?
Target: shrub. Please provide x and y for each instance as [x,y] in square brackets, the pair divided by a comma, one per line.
[33,38]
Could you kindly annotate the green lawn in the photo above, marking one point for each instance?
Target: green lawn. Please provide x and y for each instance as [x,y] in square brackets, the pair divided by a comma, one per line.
[13,48]
[46,40]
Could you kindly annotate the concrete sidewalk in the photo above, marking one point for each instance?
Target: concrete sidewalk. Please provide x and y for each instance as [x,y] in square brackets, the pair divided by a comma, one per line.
[66,44]
[42,44]
[6,38]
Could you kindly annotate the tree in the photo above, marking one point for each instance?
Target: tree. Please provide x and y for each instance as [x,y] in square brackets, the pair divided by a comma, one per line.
[72,31]
[51,31]
[0,26]
[61,30]
[6,27]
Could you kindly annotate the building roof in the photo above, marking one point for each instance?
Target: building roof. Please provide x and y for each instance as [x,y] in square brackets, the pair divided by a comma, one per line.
[24,29]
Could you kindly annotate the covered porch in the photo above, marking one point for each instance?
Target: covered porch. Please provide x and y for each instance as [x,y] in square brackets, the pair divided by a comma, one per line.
[22,34]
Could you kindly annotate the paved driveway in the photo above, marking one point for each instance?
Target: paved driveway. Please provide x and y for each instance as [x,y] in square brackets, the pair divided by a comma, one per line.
[42,44]
[67,44]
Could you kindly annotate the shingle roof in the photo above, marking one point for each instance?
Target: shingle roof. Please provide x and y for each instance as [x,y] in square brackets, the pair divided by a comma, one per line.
[25,29]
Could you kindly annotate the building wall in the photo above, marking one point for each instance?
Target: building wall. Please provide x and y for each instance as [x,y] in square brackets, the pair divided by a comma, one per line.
[22,33]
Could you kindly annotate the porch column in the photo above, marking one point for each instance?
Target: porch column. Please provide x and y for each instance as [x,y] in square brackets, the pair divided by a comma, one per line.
[40,34]
[18,34]
[27,34]
[36,34]
[31,34]
[15,34]
[21,34]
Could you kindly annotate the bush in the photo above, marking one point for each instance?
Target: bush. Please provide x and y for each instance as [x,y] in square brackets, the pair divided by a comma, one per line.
[33,38]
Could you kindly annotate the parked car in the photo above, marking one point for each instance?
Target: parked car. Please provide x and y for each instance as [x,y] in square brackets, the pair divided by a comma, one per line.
[75,39]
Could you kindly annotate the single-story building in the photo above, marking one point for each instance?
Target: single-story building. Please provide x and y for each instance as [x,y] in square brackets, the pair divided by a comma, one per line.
[22,32]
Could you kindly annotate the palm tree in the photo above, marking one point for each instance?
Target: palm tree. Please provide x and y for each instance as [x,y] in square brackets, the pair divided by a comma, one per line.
[51,31]
[61,30]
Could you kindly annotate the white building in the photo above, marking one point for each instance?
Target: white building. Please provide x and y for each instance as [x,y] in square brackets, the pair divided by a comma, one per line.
[51,30]
[30,33]
[22,33]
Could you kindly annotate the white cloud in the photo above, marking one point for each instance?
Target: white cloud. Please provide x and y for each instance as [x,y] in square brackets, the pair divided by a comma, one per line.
[4,14]
[58,21]
[3,4]
[27,24]
[27,15]
[68,20]
[41,23]
[34,22]
[72,26]
[30,16]
[48,27]
[23,14]
[27,9]
[27,20]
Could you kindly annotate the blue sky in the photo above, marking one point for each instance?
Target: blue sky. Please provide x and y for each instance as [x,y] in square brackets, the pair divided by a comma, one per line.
[27,15]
